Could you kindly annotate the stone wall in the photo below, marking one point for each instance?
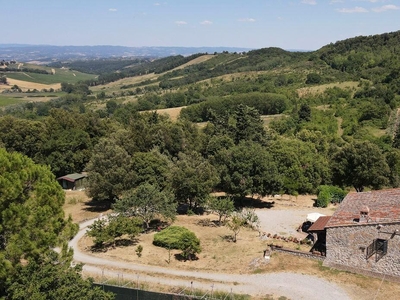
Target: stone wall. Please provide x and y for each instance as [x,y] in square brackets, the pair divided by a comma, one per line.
[347,247]
[297,253]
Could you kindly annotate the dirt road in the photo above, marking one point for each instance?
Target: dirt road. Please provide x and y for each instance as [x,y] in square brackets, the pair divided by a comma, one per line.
[290,285]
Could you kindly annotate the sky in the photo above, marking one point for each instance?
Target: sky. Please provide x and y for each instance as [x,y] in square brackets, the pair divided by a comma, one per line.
[288,24]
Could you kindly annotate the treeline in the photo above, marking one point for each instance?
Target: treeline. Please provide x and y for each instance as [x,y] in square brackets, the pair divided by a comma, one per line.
[372,57]
[264,103]
[297,154]
[144,67]
[100,66]
[31,70]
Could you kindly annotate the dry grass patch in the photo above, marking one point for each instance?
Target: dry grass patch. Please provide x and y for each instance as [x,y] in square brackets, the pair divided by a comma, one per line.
[116,85]
[195,61]
[319,89]
[26,85]
[172,113]
[81,208]
[217,254]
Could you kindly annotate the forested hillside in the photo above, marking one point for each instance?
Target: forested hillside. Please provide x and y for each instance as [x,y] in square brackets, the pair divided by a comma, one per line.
[323,101]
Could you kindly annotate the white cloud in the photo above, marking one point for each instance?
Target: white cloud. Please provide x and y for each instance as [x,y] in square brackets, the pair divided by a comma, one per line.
[385,8]
[180,22]
[354,10]
[206,22]
[247,20]
[310,2]
[112,9]
[157,4]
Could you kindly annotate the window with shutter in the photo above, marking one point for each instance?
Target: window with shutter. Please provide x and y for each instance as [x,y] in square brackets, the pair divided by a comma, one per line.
[378,247]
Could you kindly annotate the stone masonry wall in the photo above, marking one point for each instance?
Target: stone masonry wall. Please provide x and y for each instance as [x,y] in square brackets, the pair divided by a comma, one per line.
[347,246]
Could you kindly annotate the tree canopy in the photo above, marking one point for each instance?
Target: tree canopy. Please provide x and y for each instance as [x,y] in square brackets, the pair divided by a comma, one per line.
[147,202]
[32,220]
[110,171]
[53,279]
[193,178]
[360,164]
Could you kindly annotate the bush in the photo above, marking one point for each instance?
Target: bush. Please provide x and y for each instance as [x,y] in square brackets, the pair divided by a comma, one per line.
[313,78]
[328,193]
[176,237]
[323,198]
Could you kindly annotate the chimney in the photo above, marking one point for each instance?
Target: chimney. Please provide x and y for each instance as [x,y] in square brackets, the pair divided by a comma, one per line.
[364,214]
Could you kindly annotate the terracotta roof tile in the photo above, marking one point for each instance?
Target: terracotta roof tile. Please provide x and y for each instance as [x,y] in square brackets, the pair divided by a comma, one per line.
[383,205]
[320,224]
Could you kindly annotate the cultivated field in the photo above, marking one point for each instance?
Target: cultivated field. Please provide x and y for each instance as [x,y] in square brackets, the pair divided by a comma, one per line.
[28,85]
[59,75]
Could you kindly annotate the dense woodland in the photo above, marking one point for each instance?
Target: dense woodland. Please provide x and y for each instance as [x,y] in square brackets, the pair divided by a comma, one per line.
[343,137]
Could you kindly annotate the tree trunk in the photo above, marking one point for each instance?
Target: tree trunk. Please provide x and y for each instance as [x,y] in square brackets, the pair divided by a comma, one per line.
[359,189]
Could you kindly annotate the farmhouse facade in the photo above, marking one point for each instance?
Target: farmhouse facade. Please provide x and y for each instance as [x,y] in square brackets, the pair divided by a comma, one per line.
[363,235]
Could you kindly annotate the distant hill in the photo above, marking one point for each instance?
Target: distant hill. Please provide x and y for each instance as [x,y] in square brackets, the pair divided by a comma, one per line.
[48,53]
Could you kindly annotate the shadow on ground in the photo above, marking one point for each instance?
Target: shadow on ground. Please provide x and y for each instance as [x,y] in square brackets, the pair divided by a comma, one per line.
[97,206]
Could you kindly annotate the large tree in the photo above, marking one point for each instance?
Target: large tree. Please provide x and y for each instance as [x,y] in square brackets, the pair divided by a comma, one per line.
[248,169]
[24,136]
[193,178]
[109,171]
[300,165]
[147,202]
[360,164]
[243,124]
[32,220]
[151,167]
[248,125]
[223,207]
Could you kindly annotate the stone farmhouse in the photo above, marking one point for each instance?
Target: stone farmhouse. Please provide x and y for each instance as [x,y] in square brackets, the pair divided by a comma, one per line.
[363,235]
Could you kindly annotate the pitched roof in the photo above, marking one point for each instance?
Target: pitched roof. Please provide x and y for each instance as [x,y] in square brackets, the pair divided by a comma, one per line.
[320,224]
[72,177]
[383,206]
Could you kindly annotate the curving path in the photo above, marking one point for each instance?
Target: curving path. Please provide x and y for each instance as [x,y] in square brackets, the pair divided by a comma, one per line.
[291,285]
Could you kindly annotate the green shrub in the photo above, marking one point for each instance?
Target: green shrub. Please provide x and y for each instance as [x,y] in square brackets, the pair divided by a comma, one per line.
[323,198]
[327,194]
[176,237]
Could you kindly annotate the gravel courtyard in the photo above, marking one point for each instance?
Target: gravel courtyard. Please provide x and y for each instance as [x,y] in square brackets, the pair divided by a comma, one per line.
[287,214]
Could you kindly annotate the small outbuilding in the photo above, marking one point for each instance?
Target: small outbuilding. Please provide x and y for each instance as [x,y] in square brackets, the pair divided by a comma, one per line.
[318,228]
[75,181]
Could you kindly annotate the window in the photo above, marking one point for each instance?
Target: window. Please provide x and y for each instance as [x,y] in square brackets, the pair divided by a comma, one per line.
[377,247]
